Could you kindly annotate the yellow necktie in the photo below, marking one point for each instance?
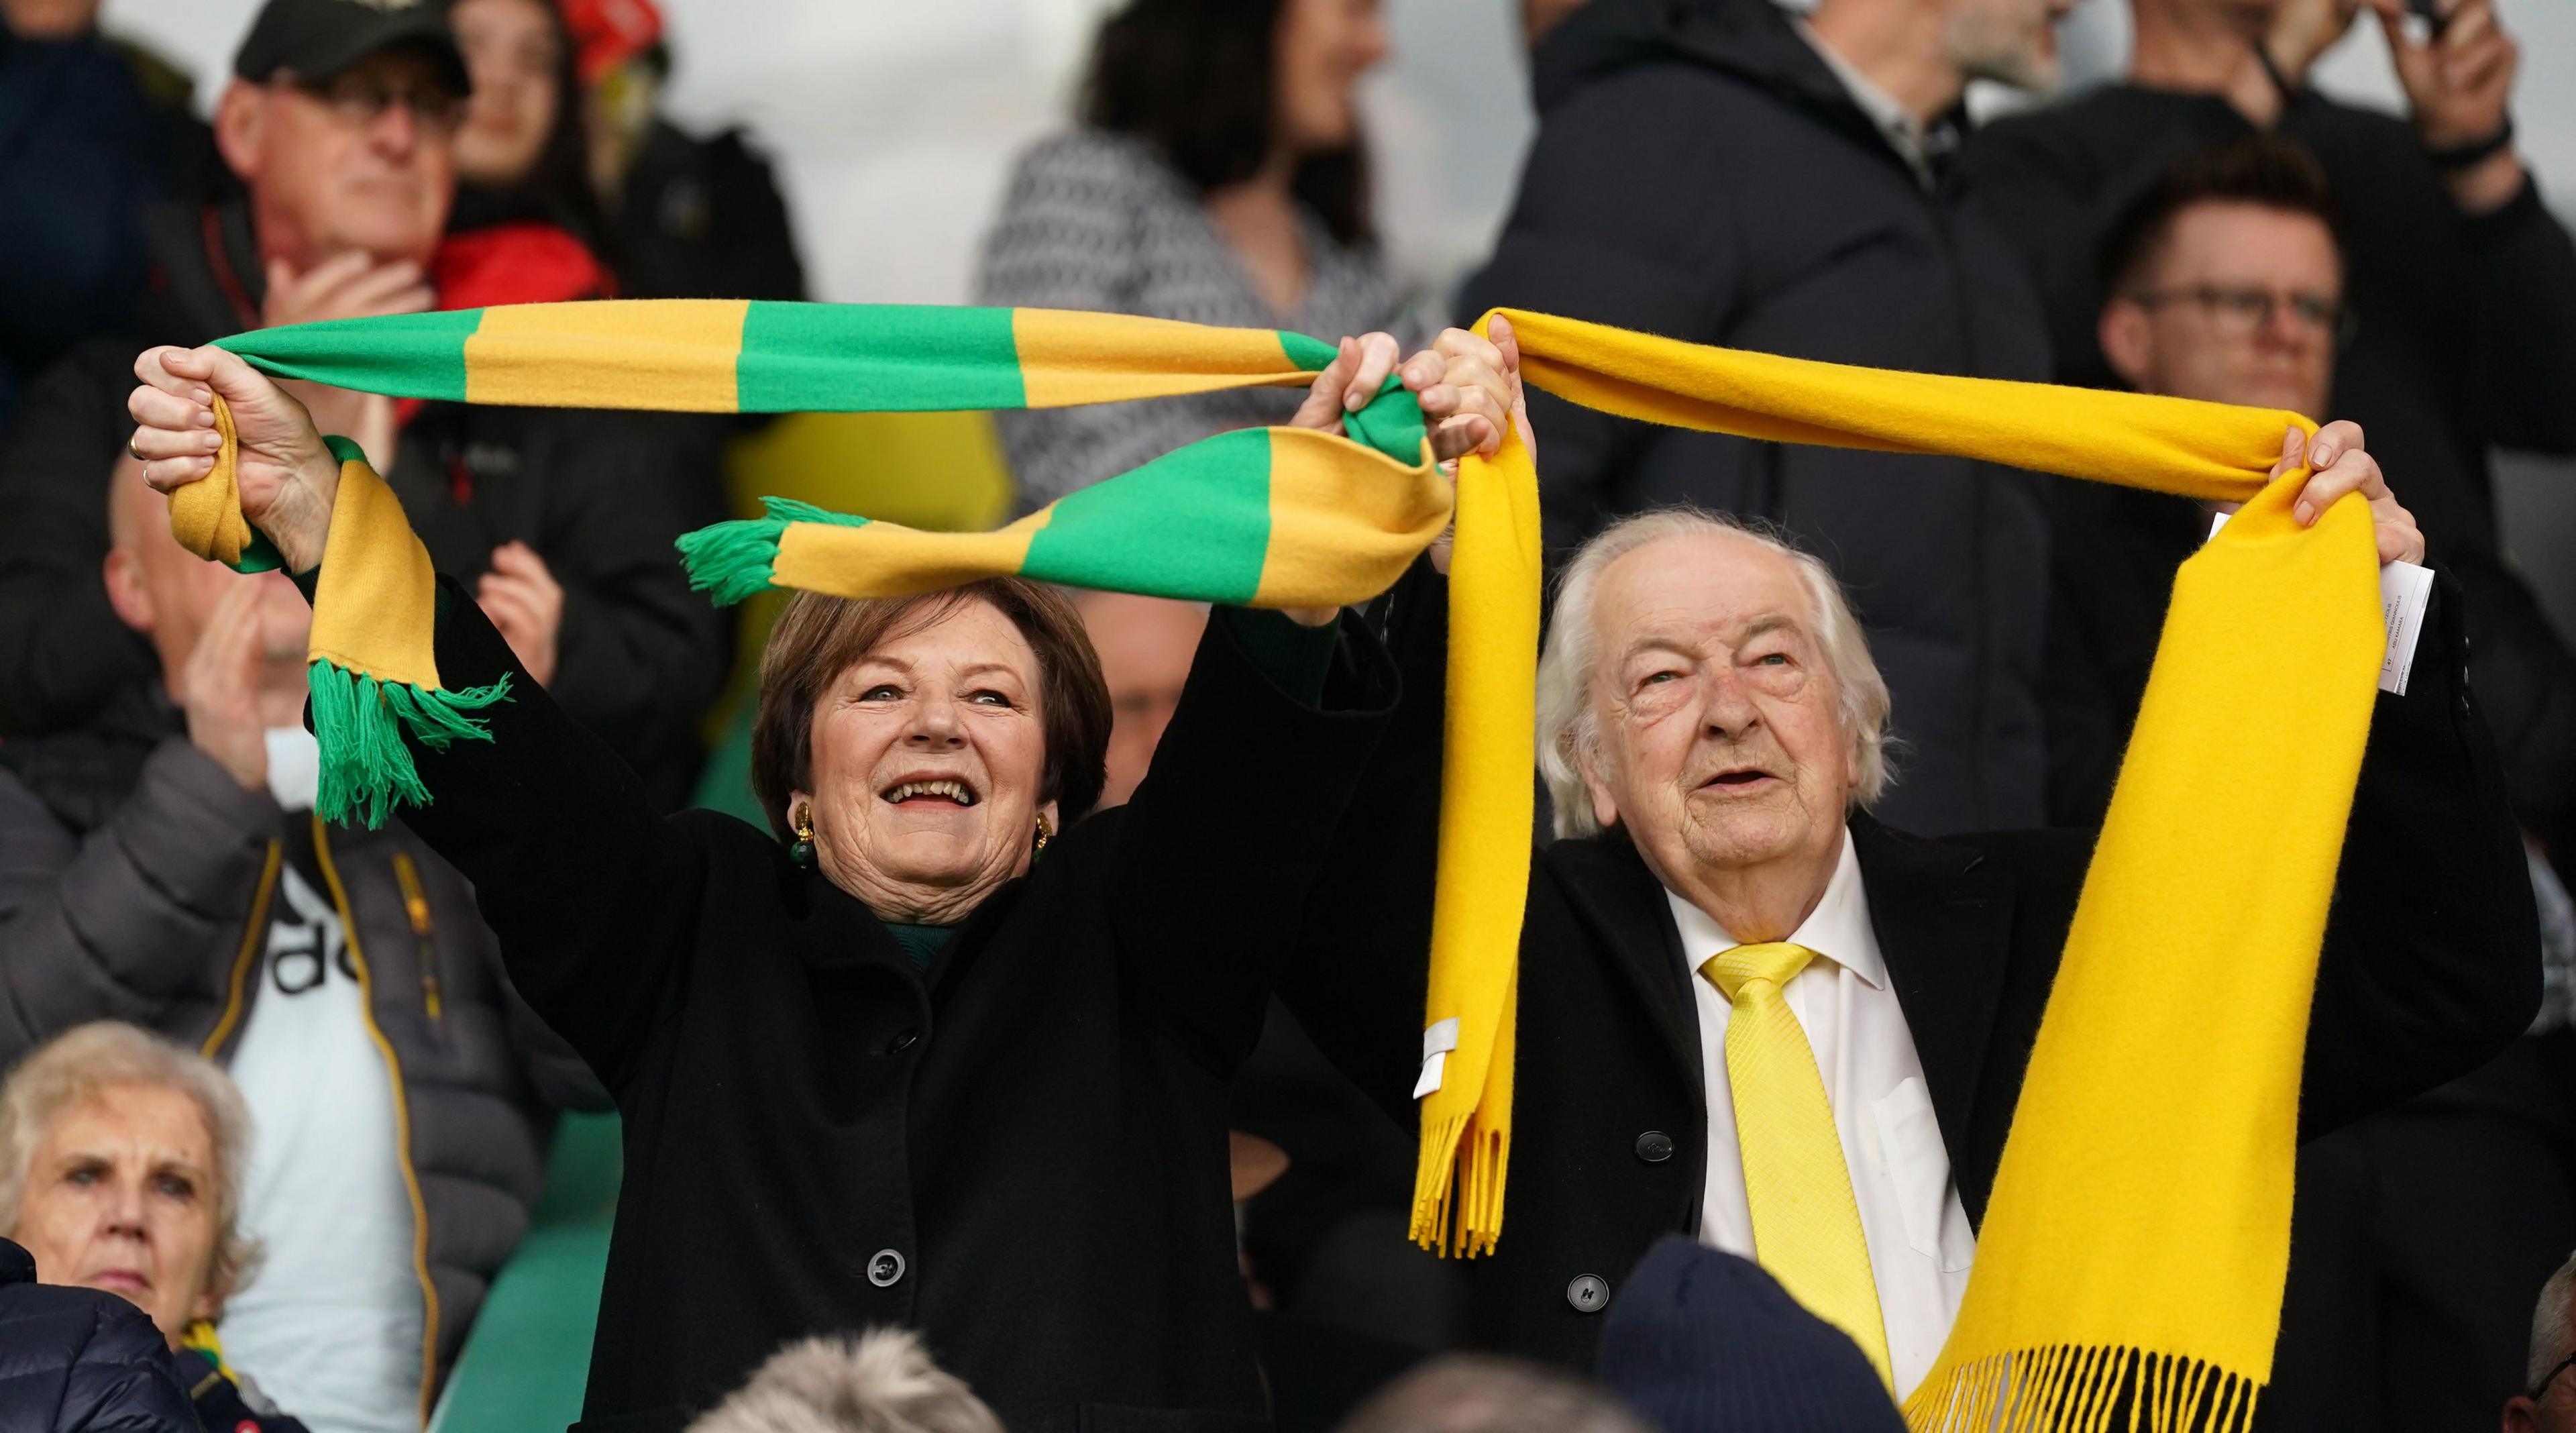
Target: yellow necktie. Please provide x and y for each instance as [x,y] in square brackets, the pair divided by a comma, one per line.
[1806,1223]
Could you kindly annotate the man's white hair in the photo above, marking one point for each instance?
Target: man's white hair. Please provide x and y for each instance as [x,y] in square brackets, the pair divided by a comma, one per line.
[1568,737]
[879,1382]
[2553,1324]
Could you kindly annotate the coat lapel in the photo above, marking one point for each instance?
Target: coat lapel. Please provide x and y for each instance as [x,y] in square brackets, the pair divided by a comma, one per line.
[1944,924]
[1614,893]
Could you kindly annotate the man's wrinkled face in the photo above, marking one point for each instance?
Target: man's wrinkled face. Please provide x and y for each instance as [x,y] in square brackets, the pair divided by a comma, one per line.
[2239,304]
[2012,42]
[364,161]
[1718,738]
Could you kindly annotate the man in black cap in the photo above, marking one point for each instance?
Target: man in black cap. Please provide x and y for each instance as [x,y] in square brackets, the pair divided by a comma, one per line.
[343,978]
[337,133]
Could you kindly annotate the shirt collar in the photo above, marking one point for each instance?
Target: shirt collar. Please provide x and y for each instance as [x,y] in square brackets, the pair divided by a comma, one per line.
[1837,929]
[1917,143]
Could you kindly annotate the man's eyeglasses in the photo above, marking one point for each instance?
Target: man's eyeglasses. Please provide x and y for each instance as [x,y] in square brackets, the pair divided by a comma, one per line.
[2246,311]
[358,100]
[2538,1390]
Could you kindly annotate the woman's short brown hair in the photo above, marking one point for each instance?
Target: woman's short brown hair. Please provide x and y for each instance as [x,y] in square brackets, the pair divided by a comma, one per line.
[818,638]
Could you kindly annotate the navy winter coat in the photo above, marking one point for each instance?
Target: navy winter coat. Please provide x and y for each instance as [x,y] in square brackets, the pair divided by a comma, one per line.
[81,1361]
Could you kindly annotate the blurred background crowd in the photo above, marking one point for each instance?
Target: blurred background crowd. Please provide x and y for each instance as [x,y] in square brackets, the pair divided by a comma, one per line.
[2323,205]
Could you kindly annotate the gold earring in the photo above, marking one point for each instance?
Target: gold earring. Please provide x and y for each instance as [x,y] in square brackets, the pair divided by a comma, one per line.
[802,820]
[1046,833]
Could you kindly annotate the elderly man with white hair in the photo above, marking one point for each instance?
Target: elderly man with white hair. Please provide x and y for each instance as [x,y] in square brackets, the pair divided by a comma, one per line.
[1713,732]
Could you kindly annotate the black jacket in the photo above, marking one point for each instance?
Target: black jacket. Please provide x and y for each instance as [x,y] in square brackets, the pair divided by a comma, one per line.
[599,496]
[1021,1153]
[2467,341]
[136,881]
[81,1361]
[2430,967]
[702,219]
[1699,172]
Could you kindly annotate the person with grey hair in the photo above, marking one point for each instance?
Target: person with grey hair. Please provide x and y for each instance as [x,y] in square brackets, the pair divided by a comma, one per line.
[881,1381]
[1478,1393]
[1712,732]
[2547,1403]
[121,1169]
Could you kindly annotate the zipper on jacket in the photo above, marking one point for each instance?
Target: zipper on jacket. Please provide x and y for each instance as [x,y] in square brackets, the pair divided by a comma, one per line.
[249,952]
[402,1117]
[416,905]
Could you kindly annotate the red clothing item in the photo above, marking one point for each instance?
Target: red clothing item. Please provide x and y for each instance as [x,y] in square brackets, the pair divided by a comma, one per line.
[522,262]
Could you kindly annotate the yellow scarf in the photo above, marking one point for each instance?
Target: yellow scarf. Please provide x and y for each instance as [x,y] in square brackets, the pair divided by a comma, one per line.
[2138,1233]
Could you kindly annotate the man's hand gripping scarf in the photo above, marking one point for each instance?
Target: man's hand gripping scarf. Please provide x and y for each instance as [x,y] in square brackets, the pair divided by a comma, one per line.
[2132,1256]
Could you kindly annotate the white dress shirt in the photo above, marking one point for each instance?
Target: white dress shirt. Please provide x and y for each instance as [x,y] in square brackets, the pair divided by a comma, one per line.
[1920,1244]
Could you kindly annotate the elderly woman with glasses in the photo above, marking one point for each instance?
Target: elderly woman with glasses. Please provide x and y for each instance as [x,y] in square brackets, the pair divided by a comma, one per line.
[948,1054]
[121,1160]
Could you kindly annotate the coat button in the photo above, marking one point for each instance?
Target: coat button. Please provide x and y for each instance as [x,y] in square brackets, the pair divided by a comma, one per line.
[885,1267]
[1587,1293]
[1654,1146]
[903,1042]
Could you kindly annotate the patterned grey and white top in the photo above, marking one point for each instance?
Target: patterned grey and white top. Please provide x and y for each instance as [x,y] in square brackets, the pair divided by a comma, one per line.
[1102,222]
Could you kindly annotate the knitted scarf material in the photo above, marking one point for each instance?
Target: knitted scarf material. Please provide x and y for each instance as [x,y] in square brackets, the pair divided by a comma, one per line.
[2134,1250]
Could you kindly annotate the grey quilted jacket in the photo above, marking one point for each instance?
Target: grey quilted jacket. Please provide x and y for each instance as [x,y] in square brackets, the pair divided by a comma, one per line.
[135,876]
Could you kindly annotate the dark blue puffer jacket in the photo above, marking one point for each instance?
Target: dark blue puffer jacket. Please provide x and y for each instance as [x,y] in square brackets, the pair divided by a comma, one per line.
[81,1361]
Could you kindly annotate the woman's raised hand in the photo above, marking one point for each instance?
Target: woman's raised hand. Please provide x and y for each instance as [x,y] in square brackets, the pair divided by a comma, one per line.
[1468,388]
[287,476]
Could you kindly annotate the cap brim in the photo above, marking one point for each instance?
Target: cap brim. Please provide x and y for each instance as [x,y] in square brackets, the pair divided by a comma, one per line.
[421,28]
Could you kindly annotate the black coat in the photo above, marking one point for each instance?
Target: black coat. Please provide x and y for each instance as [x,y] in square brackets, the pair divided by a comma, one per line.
[1700,173]
[2467,341]
[600,496]
[2430,967]
[75,1360]
[1022,1152]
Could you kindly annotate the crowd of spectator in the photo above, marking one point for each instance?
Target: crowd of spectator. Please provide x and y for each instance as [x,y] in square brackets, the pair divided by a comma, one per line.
[280,1091]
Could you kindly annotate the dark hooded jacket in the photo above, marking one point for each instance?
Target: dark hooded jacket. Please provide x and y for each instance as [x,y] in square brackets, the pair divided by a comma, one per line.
[74,1360]
[599,496]
[135,876]
[1701,173]
[2466,343]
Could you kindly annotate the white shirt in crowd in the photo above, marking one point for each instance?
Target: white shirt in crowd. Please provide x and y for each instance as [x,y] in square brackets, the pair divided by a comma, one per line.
[330,1327]
[1920,1244]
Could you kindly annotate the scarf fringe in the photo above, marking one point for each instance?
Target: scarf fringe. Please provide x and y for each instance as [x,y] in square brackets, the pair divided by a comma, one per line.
[359,723]
[736,560]
[1458,1187]
[2077,1388]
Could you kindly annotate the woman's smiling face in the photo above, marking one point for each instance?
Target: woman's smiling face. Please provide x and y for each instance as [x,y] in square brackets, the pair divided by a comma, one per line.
[927,757]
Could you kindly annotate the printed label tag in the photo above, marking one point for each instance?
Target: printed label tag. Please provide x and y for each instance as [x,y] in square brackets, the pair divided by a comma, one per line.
[1430,1080]
[2405,590]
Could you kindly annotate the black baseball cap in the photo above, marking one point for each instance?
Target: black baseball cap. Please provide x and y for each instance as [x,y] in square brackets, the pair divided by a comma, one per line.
[317,39]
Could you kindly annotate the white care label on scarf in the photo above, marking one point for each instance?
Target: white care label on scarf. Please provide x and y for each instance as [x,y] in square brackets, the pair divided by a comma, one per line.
[1437,1042]
[2405,590]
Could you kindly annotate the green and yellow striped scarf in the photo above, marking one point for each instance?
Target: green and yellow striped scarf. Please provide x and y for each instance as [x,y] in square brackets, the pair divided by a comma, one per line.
[2138,1233]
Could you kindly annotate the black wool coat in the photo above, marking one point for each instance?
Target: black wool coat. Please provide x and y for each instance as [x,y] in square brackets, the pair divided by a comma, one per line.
[1700,173]
[1020,1153]
[2430,967]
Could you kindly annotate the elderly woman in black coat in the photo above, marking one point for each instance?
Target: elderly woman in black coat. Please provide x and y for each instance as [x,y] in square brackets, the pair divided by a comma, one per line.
[955,1058]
